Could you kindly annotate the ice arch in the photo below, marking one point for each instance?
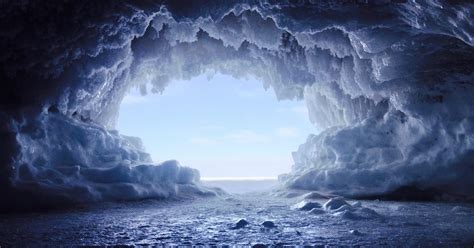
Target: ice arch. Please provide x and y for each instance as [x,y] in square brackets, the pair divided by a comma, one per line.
[390,81]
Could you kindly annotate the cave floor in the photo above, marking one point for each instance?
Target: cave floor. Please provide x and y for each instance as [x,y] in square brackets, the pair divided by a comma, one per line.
[209,221]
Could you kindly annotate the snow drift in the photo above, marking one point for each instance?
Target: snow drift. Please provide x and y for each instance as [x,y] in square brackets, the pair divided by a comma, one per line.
[389,82]
[93,165]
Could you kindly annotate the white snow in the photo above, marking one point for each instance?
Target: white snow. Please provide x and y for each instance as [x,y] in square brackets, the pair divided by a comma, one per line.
[355,232]
[357,214]
[240,224]
[317,211]
[60,164]
[335,203]
[384,126]
[306,205]
[338,207]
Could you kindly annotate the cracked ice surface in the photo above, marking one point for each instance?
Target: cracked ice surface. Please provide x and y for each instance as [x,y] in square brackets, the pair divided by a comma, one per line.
[210,221]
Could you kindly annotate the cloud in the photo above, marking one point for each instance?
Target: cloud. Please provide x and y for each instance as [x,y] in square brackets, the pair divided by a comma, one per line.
[211,127]
[287,132]
[246,136]
[204,141]
[241,136]
[255,92]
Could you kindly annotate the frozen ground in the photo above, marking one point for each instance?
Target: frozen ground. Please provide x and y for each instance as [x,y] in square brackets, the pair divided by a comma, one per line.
[210,221]
[243,186]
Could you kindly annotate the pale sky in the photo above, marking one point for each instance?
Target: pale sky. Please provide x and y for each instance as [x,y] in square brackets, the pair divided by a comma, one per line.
[224,127]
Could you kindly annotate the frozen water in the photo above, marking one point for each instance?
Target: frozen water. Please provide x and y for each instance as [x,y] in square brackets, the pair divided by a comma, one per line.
[62,170]
[355,232]
[356,213]
[461,210]
[315,195]
[357,204]
[306,205]
[207,221]
[237,187]
[268,224]
[240,224]
[335,203]
[337,207]
[316,211]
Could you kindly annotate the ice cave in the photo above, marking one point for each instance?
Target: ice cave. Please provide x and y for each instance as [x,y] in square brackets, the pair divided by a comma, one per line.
[390,84]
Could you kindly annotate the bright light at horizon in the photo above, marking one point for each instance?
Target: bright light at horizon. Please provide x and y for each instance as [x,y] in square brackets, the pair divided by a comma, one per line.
[224,127]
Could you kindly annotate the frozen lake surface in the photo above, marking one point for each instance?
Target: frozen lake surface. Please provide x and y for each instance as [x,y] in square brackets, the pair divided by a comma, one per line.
[211,221]
[243,185]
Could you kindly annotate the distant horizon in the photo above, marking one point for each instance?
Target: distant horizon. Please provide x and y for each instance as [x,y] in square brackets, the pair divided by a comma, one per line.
[237,178]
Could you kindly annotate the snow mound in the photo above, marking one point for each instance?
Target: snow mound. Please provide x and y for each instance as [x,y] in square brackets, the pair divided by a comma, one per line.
[59,166]
[461,210]
[240,224]
[335,203]
[338,207]
[357,213]
[355,232]
[317,211]
[268,224]
[306,205]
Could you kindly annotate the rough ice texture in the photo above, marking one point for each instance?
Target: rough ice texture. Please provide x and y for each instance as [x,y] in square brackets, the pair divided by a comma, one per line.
[306,205]
[69,161]
[389,83]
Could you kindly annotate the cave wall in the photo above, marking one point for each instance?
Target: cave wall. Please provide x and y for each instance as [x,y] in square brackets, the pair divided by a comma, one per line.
[389,82]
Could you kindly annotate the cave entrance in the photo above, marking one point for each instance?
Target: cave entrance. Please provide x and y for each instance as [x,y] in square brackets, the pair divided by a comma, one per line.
[227,128]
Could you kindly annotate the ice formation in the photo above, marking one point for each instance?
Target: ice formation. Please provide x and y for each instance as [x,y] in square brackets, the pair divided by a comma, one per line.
[306,205]
[335,203]
[240,224]
[268,224]
[337,207]
[390,83]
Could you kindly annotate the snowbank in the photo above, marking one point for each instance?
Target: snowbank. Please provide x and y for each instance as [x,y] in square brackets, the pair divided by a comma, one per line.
[83,163]
[338,207]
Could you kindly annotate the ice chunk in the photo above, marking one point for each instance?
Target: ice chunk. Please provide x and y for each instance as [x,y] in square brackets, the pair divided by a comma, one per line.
[357,204]
[287,193]
[335,203]
[268,224]
[355,232]
[306,205]
[343,208]
[461,210]
[317,211]
[94,164]
[240,224]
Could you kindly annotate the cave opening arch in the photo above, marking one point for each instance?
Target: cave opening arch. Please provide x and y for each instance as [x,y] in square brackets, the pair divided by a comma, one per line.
[222,126]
